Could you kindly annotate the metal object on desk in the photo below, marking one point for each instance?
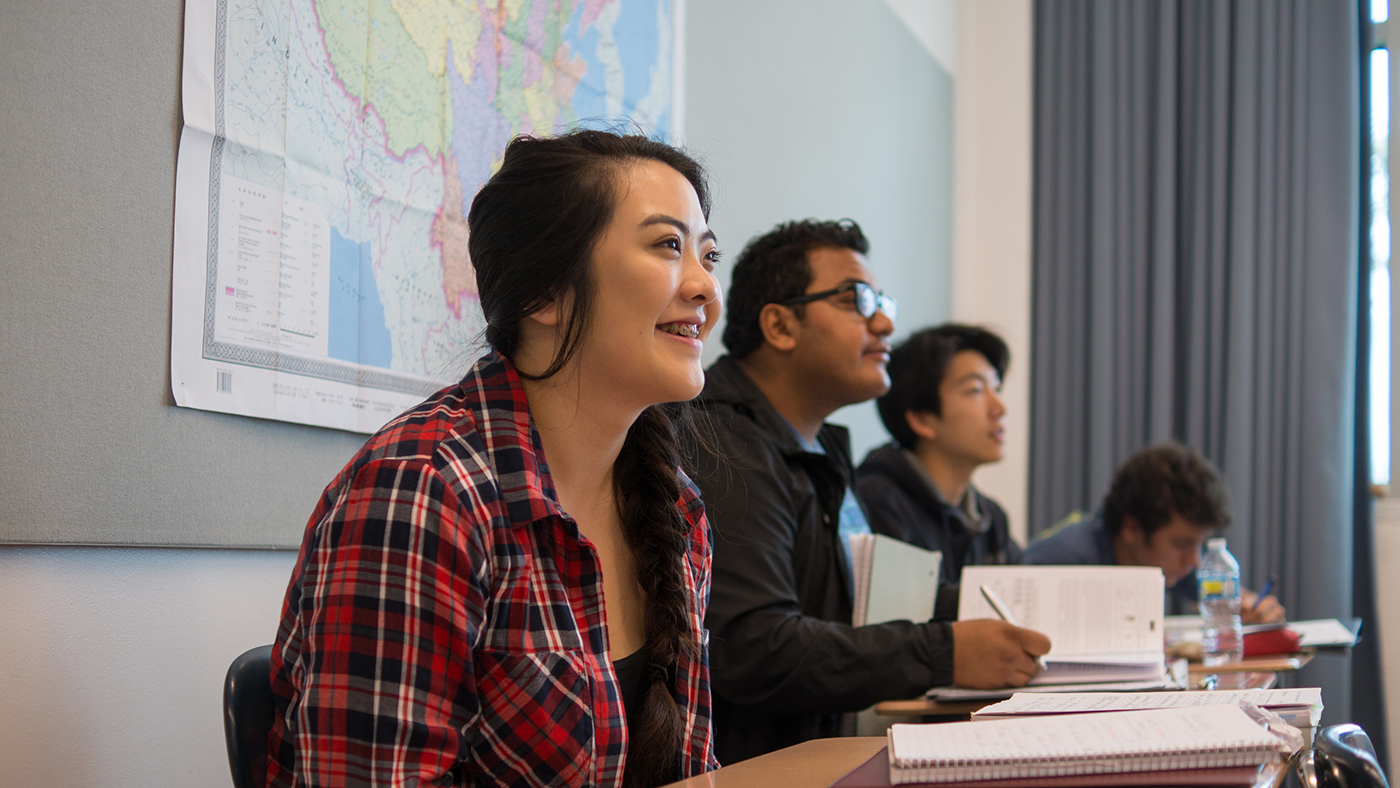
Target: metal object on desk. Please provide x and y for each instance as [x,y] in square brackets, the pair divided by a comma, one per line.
[1342,757]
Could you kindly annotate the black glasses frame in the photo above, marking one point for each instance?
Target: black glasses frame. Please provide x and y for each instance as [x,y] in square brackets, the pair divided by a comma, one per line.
[868,302]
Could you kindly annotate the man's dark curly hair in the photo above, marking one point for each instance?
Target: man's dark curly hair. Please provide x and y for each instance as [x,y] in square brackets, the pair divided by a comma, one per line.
[773,267]
[1163,480]
[919,364]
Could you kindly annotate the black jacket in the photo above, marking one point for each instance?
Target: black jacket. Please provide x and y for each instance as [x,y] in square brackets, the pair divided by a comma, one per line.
[785,661]
[900,503]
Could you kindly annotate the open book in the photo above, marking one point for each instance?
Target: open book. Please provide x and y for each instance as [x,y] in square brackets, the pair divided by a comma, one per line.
[1160,741]
[1104,622]
[894,581]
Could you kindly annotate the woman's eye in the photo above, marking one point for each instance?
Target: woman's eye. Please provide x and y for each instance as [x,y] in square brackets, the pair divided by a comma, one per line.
[672,243]
[713,259]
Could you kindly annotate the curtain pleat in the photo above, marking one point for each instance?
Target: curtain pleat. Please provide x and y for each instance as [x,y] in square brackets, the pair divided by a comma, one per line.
[1196,272]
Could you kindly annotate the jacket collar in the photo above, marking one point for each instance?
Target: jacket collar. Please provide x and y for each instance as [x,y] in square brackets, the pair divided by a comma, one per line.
[726,382]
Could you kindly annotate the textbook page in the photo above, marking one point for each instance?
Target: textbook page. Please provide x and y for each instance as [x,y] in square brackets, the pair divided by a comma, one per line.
[1102,614]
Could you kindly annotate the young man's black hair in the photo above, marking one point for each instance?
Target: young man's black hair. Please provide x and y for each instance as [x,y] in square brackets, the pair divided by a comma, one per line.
[774,268]
[1163,480]
[917,367]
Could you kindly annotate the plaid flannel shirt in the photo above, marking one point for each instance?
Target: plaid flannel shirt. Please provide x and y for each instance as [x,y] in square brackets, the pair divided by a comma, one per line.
[444,623]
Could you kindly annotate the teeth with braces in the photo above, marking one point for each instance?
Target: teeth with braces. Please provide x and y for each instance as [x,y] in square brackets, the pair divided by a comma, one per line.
[682,329]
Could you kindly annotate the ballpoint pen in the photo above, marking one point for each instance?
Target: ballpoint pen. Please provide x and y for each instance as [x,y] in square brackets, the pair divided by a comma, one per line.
[1263,592]
[1004,612]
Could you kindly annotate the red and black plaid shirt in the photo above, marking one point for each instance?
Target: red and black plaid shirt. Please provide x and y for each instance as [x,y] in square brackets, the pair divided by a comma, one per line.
[444,623]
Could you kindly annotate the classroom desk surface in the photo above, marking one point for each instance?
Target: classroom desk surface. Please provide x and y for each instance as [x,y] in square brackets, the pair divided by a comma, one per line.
[1260,673]
[1281,663]
[821,762]
[811,764]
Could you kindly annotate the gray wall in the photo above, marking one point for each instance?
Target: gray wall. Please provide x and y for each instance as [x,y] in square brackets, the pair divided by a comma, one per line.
[827,109]
[93,450]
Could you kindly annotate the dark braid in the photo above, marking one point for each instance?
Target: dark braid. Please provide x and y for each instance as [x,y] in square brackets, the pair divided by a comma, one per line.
[533,229]
[647,482]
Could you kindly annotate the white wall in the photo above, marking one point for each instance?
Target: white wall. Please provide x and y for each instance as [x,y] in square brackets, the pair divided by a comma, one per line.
[1388,608]
[830,109]
[992,217]
[112,660]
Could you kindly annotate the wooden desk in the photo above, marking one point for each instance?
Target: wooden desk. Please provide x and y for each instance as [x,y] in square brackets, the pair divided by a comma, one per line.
[1272,664]
[811,764]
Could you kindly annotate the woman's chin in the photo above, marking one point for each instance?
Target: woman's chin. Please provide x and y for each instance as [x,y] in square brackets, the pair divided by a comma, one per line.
[678,387]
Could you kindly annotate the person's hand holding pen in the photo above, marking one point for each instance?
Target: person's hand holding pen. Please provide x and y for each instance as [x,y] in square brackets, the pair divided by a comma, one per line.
[990,654]
[1261,608]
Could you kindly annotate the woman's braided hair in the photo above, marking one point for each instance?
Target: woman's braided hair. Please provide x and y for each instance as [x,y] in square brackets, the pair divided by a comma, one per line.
[533,228]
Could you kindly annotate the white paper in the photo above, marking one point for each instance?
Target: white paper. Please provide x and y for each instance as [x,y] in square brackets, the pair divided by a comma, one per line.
[1090,613]
[955,694]
[1026,703]
[1322,632]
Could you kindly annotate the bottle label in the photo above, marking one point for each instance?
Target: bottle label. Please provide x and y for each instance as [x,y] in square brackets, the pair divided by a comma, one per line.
[1217,587]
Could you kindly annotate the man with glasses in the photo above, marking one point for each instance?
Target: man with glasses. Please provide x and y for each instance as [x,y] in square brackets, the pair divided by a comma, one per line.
[807,334]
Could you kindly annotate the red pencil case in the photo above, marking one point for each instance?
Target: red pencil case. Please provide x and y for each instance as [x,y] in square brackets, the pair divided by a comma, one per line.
[1274,641]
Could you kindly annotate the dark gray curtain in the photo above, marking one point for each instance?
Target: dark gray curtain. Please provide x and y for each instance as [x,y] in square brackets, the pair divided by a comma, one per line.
[1196,273]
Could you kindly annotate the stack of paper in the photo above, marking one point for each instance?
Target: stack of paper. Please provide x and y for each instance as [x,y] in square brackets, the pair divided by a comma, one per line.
[1301,708]
[1104,623]
[1206,745]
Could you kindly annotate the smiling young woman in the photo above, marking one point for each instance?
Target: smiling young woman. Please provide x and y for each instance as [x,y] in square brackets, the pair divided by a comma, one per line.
[507,584]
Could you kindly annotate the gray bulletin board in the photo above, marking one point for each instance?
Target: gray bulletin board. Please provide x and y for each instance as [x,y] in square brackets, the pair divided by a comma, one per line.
[92,447]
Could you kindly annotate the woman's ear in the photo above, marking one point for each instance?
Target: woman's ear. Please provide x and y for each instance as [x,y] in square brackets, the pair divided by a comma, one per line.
[548,315]
[780,327]
[555,312]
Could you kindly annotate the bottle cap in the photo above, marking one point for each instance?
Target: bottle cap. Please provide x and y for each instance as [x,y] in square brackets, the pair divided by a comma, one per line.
[1218,543]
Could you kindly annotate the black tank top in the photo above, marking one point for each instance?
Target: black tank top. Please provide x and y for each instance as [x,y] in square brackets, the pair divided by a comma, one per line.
[632,683]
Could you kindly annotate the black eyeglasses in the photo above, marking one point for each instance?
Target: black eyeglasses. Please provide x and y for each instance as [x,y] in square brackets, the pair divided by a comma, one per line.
[868,302]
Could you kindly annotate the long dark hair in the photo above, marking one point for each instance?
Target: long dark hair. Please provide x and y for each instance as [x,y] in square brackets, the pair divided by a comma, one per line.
[534,226]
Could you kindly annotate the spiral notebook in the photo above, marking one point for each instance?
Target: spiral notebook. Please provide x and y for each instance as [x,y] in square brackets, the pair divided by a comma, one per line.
[1159,740]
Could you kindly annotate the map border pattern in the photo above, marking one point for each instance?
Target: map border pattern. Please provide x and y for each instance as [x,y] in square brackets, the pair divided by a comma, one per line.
[271,359]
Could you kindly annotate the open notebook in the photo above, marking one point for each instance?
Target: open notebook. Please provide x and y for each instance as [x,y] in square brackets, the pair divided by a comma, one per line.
[1134,742]
[1104,622]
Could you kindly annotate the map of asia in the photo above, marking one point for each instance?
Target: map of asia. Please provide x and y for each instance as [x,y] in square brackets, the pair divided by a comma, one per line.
[329,156]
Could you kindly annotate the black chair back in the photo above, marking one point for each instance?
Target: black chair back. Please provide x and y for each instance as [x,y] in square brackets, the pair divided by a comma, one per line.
[248,716]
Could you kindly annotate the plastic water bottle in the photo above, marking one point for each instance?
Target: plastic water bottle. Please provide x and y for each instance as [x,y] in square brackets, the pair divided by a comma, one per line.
[1218,583]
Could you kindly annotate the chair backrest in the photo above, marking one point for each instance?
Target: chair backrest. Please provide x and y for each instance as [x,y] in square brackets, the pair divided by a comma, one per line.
[248,716]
